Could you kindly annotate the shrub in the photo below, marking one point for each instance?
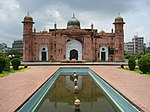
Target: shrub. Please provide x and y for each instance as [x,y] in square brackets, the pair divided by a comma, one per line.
[15,63]
[127,56]
[131,63]
[7,66]
[144,64]
[138,56]
[2,63]
[17,56]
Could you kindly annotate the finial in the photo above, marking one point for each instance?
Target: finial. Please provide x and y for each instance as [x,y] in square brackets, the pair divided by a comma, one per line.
[118,13]
[73,15]
[28,13]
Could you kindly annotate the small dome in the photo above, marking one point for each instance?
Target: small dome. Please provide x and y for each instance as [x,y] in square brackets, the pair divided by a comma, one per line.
[119,19]
[28,18]
[102,31]
[73,22]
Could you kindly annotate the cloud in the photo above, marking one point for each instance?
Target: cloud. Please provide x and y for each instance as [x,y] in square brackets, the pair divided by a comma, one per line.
[101,12]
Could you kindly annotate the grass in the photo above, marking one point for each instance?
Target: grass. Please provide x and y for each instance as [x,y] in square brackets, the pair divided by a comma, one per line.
[137,71]
[5,73]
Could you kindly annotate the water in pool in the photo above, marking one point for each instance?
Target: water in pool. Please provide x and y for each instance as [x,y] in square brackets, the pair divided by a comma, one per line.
[61,96]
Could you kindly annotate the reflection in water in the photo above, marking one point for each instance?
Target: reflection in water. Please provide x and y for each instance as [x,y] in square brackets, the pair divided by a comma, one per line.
[61,96]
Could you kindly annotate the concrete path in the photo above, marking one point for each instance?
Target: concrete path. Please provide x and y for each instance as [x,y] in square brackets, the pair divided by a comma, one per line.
[17,87]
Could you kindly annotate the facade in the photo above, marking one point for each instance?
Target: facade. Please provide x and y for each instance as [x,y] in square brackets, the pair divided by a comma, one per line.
[128,47]
[138,43]
[18,46]
[73,43]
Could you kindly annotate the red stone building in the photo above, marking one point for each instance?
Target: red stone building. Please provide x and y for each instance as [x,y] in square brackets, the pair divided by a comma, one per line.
[73,42]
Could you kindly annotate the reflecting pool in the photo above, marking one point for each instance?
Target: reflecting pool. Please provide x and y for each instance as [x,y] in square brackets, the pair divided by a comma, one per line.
[93,94]
[61,96]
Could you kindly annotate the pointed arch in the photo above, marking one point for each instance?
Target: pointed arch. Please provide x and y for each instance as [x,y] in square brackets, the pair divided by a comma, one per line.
[74,49]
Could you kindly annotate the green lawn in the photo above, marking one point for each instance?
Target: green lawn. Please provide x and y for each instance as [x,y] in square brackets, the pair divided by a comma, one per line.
[5,73]
[137,71]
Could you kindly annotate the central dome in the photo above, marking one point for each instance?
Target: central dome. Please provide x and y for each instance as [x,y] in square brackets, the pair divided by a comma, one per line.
[73,23]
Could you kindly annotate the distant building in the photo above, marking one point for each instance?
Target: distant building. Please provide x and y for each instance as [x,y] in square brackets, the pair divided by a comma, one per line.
[2,45]
[6,50]
[128,47]
[138,43]
[18,46]
[136,46]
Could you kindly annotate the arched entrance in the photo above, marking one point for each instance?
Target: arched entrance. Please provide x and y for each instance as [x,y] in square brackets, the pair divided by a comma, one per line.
[103,53]
[73,54]
[73,50]
[43,53]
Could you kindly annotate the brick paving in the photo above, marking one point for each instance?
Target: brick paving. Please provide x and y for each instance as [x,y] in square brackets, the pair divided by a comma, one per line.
[135,87]
[17,87]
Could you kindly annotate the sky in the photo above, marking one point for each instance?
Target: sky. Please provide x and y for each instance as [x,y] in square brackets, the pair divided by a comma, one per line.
[101,13]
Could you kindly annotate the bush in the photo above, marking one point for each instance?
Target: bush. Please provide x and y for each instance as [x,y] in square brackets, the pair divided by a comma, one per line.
[144,64]
[2,63]
[17,56]
[7,66]
[15,63]
[127,56]
[131,63]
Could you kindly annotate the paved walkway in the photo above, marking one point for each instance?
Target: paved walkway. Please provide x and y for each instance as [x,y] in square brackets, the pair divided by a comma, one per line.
[16,88]
[135,87]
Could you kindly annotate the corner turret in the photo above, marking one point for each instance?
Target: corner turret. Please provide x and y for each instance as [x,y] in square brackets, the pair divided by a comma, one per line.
[27,24]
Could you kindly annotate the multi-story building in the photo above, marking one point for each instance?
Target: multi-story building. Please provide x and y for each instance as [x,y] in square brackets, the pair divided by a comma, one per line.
[73,42]
[128,47]
[18,46]
[138,44]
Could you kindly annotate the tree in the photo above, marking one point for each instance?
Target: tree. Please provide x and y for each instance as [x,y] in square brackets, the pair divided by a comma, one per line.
[16,63]
[144,64]
[131,63]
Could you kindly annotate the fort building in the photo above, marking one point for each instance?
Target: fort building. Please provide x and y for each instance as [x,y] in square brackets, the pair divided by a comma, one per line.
[73,42]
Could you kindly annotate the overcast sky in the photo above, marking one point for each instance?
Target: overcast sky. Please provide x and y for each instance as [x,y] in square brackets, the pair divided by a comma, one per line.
[101,13]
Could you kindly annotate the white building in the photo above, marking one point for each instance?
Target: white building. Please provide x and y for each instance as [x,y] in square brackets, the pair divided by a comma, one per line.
[138,43]
[128,47]
[136,46]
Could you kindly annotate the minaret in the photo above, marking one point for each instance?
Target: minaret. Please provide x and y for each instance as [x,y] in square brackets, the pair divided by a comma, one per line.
[119,39]
[27,38]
